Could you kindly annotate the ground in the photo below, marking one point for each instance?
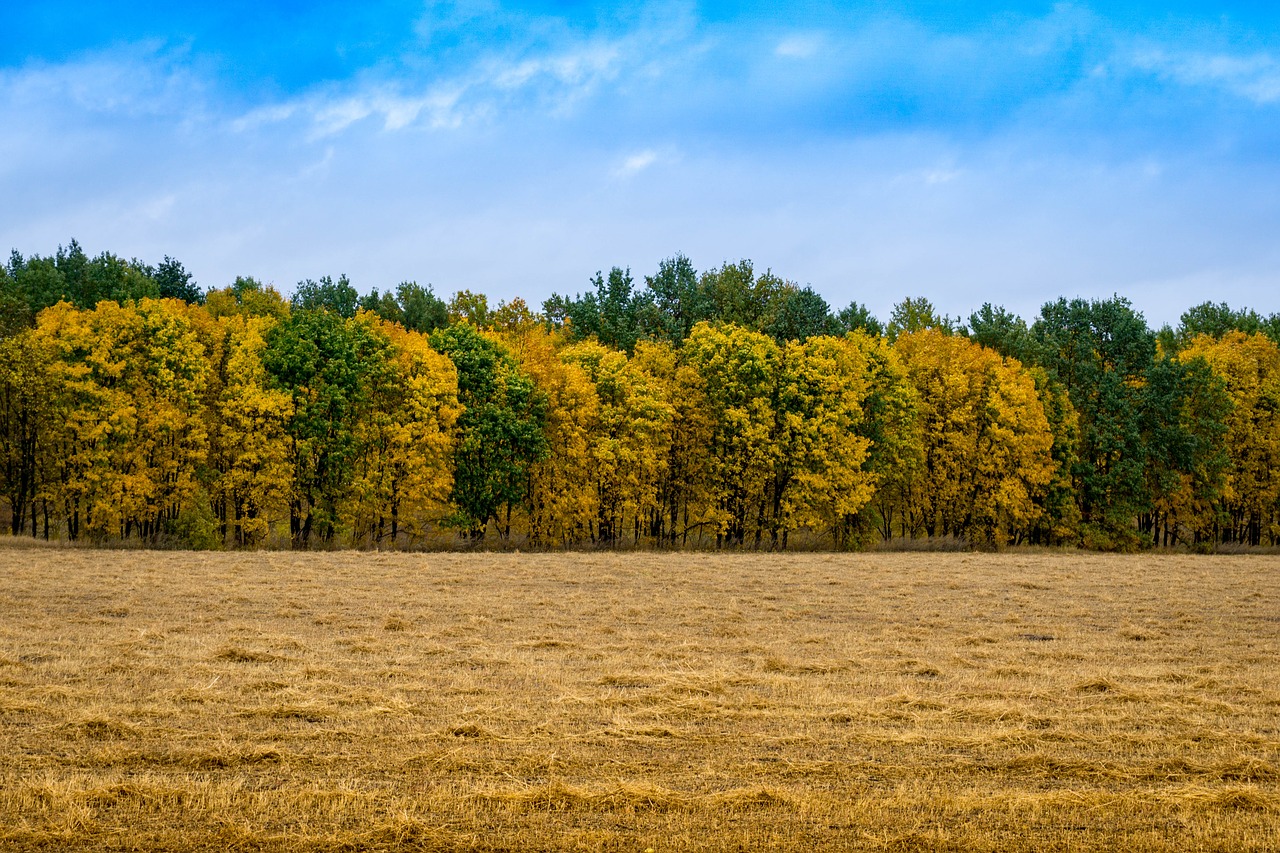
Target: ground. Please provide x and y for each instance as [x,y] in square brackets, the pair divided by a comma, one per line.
[281,701]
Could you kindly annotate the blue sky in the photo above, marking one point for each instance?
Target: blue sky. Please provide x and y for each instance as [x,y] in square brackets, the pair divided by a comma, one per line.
[966,152]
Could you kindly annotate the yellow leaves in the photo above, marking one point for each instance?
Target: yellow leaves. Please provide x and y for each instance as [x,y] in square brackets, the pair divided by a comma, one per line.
[563,500]
[785,451]
[403,475]
[822,387]
[250,442]
[1249,365]
[629,439]
[131,438]
[986,440]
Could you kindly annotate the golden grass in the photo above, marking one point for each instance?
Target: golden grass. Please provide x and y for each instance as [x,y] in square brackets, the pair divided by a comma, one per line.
[276,701]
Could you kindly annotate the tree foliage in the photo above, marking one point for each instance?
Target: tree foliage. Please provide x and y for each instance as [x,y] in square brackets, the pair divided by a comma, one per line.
[730,408]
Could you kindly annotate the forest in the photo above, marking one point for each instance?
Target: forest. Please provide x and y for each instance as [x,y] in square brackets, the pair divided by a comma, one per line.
[729,409]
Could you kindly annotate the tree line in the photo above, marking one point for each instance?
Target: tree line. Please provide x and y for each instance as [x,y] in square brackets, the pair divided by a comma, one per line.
[727,408]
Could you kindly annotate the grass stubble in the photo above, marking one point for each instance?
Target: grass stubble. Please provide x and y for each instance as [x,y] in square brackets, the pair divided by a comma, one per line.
[294,702]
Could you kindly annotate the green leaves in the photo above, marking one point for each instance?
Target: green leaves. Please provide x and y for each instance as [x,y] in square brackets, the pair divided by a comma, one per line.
[500,430]
[327,363]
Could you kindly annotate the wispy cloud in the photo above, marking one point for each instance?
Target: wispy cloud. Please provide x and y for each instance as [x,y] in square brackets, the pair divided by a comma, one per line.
[137,80]
[554,80]
[1255,77]
[637,162]
[799,46]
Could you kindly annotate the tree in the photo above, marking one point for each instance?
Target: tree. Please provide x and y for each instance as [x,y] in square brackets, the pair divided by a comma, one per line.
[421,310]
[629,441]
[468,307]
[734,294]
[563,499]
[686,496]
[1184,426]
[30,396]
[892,427]
[411,305]
[1215,320]
[1249,499]
[327,364]
[131,437]
[1101,352]
[500,431]
[246,297]
[986,441]
[250,445]
[800,314]
[916,314]
[336,296]
[856,317]
[1006,333]
[1059,518]
[615,314]
[679,300]
[819,475]
[174,282]
[738,370]
[402,476]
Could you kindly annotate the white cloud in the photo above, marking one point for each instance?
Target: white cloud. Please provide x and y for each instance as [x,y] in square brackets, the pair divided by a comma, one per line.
[558,79]
[263,116]
[940,176]
[638,162]
[799,46]
[1255,78]
[574,67]
[141,80]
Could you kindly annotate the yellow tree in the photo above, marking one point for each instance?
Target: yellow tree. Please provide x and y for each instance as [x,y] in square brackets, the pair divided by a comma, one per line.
[562,499]
[29,400]
[818,477]
[986,440]
[891,423]
[1249,365]
[630,441]
[738,369]
[402,474]
[133,435]
[249,437]
[685,500]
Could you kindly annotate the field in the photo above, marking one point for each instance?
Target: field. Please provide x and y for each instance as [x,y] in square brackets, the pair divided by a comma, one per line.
[279,701]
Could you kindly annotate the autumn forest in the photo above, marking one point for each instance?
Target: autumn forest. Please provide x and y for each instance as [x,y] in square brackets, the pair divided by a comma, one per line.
[729,408]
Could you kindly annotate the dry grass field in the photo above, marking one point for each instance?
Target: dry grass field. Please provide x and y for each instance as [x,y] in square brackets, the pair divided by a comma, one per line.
[278,701]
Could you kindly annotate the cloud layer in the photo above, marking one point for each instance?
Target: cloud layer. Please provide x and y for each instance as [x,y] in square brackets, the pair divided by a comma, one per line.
[1000,153]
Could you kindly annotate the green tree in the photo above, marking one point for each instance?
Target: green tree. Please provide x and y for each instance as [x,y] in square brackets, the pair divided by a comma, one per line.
[421,310]
[799,314]
[1004,332]
[1184,424]
[500,431]
[174,282]
[915,314]
[1101,351]
[336,296]
[327,364]
[857,317]
[468,307]
[678,298]
[735,294]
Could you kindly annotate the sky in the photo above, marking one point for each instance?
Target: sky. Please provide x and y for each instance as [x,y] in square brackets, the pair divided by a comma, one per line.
[967,152]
